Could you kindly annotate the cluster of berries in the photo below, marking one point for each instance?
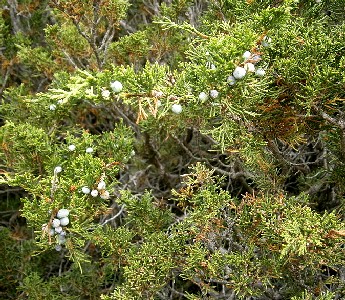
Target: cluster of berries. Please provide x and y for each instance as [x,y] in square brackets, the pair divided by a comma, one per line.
[60,221]
[99,191]
[53,106]
[73,147]
[116,86]
[240,72]
[249,64]
[213,94]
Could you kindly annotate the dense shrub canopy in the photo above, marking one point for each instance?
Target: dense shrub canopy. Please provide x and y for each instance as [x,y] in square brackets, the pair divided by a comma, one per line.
[172,149]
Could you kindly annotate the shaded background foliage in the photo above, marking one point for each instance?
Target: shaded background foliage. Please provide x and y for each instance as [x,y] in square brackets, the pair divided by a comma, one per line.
[240,196]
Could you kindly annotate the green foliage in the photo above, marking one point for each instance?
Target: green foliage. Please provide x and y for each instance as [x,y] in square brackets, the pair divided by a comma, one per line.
[143,217]
[179,181]
[305,295]
[130,49]
[11,257]
[30,158]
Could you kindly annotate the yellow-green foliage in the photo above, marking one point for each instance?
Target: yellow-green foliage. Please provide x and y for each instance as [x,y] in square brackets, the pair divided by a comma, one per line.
[178,180]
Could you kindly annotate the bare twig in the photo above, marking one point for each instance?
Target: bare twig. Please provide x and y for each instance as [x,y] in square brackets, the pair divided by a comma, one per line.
[114,217]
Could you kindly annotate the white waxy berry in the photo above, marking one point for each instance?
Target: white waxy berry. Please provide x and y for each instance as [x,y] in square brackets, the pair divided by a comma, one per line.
[101,185]
[56,223]
[63,212]
[239,72]
[247,55]
[260,72]
[52,106]
[85,190]
[89,150]
[104,195]
[64,221]
[116,86]
[212,67]
[71,147]
[58,229]
[58,247]
[249,67]
[231,80]
[57,169]
[203,96]
[63,233]
[214,94]
[176,108]
[61,239]
[105,94]
[94,193]
[51,232]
